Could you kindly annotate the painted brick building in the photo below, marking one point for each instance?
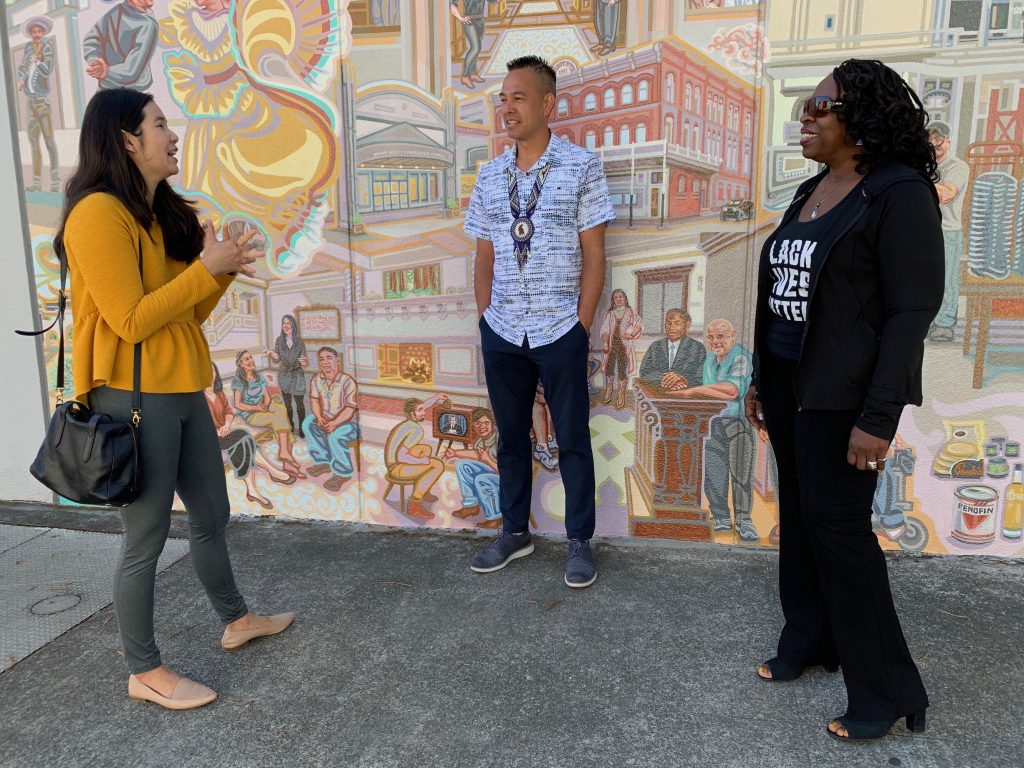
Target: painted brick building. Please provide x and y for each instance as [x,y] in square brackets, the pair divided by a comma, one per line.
[674,129]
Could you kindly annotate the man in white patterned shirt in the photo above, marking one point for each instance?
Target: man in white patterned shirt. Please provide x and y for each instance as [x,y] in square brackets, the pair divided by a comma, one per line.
[539,213]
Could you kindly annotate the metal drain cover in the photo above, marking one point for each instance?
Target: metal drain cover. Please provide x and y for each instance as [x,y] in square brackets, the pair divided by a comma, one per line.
[50,581]
[56,604]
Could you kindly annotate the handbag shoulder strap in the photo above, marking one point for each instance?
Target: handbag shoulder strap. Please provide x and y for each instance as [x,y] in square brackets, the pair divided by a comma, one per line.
[62,301]
[137,362]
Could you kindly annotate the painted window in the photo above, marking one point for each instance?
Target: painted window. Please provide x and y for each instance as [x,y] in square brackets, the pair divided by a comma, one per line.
[643,91]
[626,96]
[670,87]
[563,107]
[624,135]
[659,290]
[417,281]
[641,133]
[392,190]
[590,140]
[589,102]
[609,137]
[609,98]
[369,17]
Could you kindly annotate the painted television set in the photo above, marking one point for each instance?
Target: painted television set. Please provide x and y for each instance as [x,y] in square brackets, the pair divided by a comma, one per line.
[453,422]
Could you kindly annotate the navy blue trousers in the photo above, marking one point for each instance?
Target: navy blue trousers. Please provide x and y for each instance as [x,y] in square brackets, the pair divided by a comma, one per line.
[512,374]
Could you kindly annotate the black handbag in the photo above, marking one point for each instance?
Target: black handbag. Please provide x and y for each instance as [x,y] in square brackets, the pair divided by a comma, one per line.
[89,457]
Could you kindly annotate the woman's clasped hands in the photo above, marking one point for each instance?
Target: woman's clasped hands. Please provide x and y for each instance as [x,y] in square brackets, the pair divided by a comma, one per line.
[228,256]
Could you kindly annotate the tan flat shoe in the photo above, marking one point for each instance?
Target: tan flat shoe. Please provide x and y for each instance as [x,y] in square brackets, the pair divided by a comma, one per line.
[234,639]
[187,694]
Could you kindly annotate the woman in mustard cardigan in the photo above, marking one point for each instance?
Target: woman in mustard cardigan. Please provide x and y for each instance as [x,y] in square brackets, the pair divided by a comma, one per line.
[119,209]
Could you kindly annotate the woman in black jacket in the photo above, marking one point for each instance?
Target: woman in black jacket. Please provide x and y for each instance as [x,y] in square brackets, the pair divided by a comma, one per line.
[847,286]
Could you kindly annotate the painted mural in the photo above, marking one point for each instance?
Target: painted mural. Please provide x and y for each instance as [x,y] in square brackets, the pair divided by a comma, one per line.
[348,377]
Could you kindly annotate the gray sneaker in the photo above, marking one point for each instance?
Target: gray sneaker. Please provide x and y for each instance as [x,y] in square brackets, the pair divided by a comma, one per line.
[747,531]
[502,551]
[580,570]
[722,525]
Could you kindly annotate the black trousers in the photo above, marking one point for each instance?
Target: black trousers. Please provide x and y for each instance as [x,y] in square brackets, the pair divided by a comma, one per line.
[833,582]
[300,409]
[512,373]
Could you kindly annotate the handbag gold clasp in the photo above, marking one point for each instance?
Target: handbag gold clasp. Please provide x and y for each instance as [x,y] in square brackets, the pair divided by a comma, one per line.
[136,416]
[60,397]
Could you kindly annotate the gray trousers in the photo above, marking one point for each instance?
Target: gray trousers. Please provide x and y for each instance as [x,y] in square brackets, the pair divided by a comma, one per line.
[729,457]
[180,452]
[953,241]
[606,22]
[474,32]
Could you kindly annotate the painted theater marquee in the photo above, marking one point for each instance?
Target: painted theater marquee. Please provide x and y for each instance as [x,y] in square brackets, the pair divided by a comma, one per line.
[350,135]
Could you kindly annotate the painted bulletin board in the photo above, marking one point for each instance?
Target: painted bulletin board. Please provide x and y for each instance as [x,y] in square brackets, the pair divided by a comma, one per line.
[319,323]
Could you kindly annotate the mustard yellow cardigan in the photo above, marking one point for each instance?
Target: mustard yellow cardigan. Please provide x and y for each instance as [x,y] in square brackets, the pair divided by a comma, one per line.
[113,308]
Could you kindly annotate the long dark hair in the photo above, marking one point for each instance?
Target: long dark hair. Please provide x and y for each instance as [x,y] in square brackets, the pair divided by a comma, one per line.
[218,382]
[295,331]
[239,370]
[625,298]
[104,166]
[882,111]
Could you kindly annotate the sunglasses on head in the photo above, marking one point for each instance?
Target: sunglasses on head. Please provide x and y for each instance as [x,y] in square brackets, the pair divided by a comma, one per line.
[819,106]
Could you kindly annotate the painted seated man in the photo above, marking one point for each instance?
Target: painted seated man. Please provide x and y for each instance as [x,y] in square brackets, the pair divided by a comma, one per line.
[477,470]
[407,457]
[675,361]
[330,428]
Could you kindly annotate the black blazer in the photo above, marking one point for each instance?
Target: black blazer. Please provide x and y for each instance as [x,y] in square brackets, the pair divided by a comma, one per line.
[871,300]
[688,363]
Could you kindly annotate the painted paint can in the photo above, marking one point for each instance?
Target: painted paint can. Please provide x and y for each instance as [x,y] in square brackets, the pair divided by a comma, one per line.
[1012,448]
[974,513]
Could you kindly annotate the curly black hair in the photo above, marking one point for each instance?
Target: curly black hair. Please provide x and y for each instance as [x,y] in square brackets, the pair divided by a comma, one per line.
[882,111]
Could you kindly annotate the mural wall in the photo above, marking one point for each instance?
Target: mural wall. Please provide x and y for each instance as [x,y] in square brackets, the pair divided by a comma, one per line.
[349,134]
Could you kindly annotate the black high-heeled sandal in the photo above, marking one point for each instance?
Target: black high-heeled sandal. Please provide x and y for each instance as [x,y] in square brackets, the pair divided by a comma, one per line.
[872,730]
[783,672]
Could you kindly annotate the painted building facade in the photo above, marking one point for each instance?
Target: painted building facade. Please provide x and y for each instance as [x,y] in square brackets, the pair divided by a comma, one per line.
[381,114]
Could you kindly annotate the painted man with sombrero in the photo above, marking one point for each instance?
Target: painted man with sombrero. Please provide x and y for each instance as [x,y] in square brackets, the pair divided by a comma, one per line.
[34,80]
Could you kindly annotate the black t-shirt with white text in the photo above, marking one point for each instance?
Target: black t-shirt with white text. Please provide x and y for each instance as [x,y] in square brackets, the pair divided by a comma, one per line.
[794,254]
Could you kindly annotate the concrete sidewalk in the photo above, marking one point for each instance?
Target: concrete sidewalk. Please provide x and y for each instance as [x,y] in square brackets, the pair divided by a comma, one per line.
[403,657]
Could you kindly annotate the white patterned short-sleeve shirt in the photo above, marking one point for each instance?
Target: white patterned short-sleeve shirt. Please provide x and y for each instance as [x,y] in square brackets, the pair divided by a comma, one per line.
[539,302]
